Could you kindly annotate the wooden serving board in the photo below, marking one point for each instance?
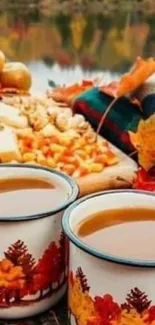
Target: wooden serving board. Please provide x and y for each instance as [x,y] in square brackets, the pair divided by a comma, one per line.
[114,177]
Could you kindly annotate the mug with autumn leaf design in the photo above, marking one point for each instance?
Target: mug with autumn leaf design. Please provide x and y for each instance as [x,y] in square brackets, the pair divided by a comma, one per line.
[106,289]
[33,249]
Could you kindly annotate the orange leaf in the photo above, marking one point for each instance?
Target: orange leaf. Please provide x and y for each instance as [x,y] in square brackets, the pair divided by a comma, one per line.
[67,94]
[142,70]
[129,82]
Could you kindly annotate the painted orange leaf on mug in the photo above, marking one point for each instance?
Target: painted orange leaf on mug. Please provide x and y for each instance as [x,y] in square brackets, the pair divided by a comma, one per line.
[144,140]
[130,318]
[140,72]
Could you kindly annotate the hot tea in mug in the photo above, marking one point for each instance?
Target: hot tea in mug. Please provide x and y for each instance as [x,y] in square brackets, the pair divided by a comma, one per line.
[125,232]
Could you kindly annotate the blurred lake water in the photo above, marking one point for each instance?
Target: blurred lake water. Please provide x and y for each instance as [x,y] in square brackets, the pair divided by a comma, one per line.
[66,41]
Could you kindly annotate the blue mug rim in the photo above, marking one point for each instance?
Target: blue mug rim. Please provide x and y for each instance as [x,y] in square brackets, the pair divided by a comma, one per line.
[72,197]
[91,250]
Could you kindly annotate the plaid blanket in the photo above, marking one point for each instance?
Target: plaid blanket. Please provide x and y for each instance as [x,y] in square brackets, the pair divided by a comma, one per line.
[148,105]
[124,116]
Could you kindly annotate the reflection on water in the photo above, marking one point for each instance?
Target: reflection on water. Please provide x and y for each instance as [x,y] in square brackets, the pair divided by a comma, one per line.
[67,40]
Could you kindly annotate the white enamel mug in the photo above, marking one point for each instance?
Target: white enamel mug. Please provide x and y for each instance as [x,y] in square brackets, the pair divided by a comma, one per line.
[33,250]
[106,289]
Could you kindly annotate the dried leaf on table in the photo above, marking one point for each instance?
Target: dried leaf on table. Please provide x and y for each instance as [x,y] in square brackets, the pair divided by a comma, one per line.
[144,141]
[67,94]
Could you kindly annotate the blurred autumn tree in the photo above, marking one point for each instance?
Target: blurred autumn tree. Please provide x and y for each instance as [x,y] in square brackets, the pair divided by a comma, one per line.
[93,34]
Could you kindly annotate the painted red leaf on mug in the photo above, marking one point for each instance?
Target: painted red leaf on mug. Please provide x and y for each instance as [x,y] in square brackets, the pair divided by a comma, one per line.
[151,315]
[107,308]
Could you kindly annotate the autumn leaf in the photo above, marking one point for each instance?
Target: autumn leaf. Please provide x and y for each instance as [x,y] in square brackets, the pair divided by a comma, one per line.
[67,94]
[143,140]
[141,71]
[129,82]
[112,89]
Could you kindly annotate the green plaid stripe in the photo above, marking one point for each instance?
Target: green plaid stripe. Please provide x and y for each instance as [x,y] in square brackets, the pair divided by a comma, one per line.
[124,116]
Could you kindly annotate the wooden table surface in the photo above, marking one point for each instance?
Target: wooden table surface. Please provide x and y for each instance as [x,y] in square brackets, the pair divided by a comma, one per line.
[55,316]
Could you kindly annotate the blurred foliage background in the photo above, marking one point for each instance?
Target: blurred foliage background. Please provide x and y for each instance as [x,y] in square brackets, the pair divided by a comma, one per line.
[70,39]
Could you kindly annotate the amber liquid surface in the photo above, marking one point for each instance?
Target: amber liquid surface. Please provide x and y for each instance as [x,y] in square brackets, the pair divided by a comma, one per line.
[28,196]
[127,233]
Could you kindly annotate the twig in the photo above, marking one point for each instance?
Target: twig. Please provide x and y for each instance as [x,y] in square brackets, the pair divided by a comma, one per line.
[121,179]
[133,153]
[55,318]
[105,115]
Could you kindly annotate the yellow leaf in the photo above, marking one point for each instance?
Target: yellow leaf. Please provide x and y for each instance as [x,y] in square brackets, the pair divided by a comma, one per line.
[144,141]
